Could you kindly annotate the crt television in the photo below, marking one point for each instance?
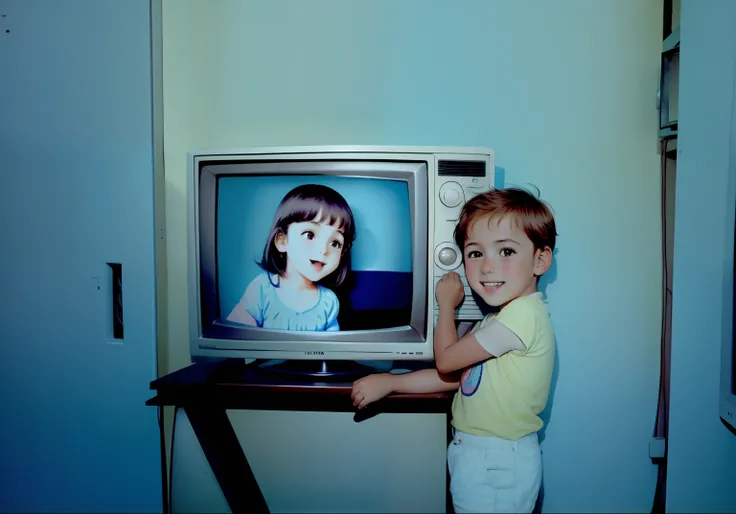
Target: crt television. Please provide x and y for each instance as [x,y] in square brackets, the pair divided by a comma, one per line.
[322,255]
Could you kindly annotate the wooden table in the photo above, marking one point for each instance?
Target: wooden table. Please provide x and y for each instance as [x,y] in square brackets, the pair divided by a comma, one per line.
[206,390]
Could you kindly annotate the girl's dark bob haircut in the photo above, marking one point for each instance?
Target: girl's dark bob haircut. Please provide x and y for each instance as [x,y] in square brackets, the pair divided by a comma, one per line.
[305,203]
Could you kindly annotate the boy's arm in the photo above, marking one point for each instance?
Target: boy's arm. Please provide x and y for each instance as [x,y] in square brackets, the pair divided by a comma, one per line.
[452,354]
[374,387]
[425,381]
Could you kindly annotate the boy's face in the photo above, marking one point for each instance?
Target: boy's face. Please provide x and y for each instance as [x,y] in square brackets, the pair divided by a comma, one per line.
[313,248]
[501,263]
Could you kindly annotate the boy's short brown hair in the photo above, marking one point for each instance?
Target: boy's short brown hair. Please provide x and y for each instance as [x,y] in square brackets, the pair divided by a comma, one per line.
[532,215]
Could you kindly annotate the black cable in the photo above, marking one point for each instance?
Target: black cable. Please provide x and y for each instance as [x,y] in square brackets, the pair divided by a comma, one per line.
[662,417]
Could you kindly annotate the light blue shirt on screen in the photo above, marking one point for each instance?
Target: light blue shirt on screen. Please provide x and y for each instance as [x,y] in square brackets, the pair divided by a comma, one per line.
[262,302]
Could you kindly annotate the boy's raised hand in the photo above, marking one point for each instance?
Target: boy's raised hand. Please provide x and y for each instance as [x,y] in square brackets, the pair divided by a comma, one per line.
[449,291]
[370,389]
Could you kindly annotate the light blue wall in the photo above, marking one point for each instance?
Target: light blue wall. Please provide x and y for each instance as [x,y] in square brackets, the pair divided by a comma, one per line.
[76,163]
[564,91]
[702,452]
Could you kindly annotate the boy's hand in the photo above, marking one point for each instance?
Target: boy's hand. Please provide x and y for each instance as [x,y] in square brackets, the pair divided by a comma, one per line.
[450,291]
[371,388]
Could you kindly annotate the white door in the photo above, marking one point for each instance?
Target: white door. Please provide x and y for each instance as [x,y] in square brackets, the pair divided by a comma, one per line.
[76,193]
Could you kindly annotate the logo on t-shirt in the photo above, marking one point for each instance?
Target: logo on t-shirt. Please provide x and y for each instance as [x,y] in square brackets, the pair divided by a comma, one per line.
[470,380]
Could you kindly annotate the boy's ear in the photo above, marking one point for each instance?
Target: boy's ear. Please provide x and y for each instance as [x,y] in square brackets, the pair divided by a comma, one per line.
[280,241]
[542,260]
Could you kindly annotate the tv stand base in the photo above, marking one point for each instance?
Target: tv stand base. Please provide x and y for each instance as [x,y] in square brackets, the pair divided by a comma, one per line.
[317,369]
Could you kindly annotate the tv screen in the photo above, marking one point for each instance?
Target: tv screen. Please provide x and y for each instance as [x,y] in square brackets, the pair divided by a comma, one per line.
[324,253]
[314,253]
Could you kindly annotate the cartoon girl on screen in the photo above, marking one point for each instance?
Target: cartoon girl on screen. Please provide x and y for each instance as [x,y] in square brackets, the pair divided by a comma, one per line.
[309,245]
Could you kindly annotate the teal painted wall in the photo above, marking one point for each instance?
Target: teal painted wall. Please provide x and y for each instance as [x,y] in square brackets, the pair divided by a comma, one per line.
[564,91]
[702,452]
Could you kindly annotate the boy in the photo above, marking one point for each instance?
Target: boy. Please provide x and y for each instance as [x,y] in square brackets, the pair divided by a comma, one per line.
[507,237]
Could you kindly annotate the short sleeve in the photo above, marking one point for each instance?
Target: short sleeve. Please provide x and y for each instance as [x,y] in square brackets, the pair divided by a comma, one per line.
[333,309]
[252,300]
[519,316]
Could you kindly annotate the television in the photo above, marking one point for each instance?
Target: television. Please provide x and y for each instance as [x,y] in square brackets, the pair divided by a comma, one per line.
[314,260]
[728,340]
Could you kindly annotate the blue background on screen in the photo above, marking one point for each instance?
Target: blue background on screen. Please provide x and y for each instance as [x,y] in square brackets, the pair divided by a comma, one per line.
[383,243]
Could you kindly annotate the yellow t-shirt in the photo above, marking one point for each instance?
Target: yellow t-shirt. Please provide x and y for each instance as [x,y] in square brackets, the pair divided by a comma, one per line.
[503,396]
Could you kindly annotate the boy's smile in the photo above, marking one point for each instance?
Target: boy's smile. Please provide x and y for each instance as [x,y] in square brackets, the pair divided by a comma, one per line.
[492,287]
[501,263]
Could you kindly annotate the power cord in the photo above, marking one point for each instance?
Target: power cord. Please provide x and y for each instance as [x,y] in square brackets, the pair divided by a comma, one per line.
[662,418]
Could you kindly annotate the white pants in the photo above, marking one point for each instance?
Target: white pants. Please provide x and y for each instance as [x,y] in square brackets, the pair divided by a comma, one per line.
[490,474]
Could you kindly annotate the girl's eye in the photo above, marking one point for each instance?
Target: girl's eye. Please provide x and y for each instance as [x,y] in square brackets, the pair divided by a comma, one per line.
[507,252]
[336,244]
[308,234]
[474,254]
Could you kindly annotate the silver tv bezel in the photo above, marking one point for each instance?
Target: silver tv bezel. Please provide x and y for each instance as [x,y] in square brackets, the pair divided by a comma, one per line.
[415,165]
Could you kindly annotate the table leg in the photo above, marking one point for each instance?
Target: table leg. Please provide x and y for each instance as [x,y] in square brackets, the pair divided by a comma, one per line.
[226,458]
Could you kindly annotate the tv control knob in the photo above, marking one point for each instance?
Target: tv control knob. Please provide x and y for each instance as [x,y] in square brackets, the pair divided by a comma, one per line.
[451,194]
[447,256]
